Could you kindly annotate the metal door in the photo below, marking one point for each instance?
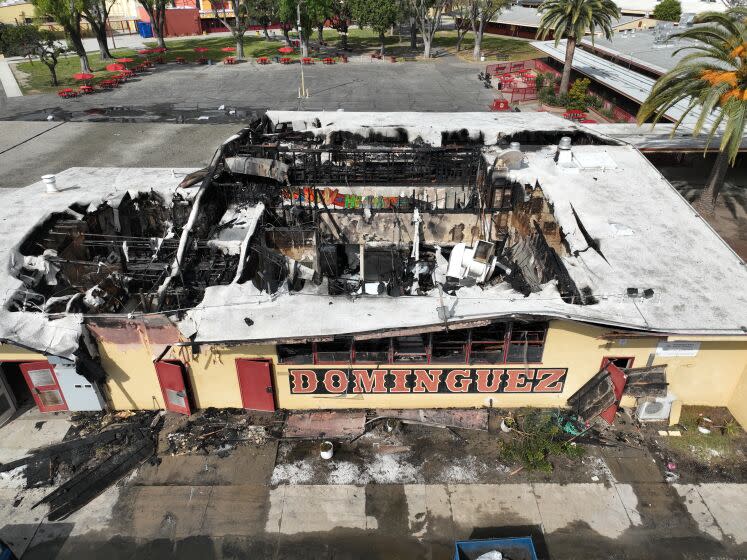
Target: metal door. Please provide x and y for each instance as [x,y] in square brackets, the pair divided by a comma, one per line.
[44,387]
[173,387]
[255,384]
[7,400]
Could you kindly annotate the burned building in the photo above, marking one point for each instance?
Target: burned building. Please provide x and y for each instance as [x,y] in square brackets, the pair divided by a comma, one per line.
[364,260]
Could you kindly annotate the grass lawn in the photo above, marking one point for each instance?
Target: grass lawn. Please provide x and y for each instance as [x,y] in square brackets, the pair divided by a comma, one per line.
[719,446]
[34,76]
[37,79]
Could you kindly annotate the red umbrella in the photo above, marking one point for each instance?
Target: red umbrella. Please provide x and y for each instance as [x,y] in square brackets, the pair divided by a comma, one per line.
[115,67]
[125,60]
[201,50]
[145,51]
[159,50]
[83,76]
[228,49]
[286,50]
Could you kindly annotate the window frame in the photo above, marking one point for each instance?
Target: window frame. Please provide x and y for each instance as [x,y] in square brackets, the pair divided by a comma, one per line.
[509,340]
[319,362]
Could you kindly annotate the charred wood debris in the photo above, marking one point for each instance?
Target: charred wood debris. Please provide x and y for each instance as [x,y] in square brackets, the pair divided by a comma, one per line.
[102,448]
[145,253]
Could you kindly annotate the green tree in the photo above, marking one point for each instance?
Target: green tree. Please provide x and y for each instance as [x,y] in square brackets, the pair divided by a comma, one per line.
[427,14]
[668,10]
[571,19]
[340,19]
[49,50]
[96,13]
[461,12]
[236,16]
[156,10]
[713,78]
[312,13]
[67,13]
[482,12]
[379,15]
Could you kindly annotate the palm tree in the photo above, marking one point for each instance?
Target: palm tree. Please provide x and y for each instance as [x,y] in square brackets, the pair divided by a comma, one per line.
[714,78]
[571,19]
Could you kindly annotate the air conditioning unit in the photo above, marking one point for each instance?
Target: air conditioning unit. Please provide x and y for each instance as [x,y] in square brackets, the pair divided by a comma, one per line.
[654,409]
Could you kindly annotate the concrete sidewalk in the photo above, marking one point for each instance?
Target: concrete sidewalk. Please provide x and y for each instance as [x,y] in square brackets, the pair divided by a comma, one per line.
[8,80]
[590,521]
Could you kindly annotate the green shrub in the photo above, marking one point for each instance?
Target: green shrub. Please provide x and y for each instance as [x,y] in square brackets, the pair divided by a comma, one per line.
[577,95]
[594,101]
[537,439]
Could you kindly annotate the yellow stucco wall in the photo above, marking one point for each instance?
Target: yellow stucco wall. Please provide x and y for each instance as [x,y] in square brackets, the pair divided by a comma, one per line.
[10,353]
[716,376]
[568,345]
[738,403]
[16,14]
[132,382]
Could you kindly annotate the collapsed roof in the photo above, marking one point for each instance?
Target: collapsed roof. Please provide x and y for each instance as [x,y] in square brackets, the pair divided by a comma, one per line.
[309,225]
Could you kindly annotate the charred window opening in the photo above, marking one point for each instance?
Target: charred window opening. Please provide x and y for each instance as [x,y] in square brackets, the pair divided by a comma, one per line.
[494,343]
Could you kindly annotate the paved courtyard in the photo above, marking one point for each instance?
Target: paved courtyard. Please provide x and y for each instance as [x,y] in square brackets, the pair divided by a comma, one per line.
[444,84]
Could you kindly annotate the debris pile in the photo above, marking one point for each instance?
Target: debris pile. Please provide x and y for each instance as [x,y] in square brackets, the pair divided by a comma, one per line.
[84,466]
[216,431]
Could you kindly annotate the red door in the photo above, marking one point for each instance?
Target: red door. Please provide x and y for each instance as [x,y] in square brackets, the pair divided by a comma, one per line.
[255,383]
[44,387]
[173,388]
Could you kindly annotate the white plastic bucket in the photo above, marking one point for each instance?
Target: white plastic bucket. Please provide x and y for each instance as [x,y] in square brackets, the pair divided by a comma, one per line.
[50,181]
[326,450]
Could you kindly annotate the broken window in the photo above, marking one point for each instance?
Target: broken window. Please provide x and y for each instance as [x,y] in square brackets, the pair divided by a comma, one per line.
[333,352]
[488,344]
[527,342]
[450,347]
[374,351]
[296,353]
[411,349]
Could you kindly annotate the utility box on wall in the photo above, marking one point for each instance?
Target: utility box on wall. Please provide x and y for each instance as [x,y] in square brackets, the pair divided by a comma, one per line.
[80,394]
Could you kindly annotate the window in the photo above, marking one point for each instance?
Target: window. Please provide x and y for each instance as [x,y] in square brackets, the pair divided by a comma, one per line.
[622,363]
[450,347]
[333,352]
[527,343]
[295,354]
[488,344]
[374,351]
[411,349]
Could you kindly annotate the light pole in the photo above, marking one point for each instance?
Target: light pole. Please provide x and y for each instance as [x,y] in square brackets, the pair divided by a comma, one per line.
[303,93]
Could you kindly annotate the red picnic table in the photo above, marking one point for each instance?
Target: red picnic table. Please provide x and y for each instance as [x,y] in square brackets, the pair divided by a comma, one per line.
[263,60]
[285,60]
[200,51]
[307,60]
[574,115]
[86,89]
[229,60]
[328,60]
[67,92]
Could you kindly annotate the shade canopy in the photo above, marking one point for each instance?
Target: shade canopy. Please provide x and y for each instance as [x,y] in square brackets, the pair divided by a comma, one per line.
[114,67]
[285,50]
[145,51]
[201,49]
[159,50]
[125,60]
[82,76]
[228,49]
